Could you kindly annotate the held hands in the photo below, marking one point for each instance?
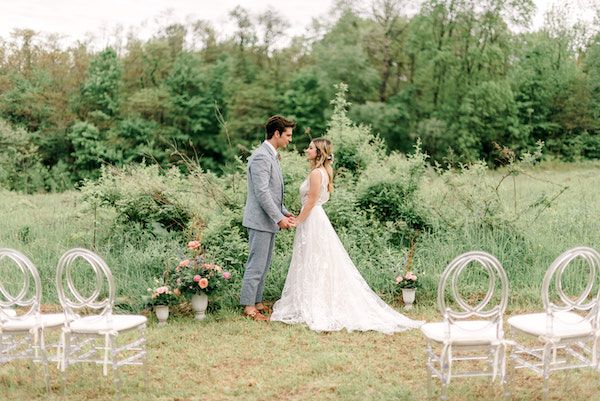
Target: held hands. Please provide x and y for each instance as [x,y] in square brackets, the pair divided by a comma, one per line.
[287,222]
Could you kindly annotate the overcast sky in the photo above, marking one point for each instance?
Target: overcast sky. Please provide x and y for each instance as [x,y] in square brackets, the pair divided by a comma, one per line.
[75,18]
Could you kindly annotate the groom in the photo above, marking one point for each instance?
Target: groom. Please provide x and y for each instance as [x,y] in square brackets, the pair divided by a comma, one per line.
[264,213]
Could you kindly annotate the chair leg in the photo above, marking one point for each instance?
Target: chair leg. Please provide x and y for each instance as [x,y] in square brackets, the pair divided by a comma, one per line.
[549,353]
[64,361]
[507,376]
[44,356]
[429,373]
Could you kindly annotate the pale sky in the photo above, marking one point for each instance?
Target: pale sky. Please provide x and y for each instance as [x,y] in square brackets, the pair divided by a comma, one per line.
[75,18]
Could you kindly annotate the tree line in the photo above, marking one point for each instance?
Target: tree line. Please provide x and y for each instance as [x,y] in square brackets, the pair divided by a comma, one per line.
[464,77]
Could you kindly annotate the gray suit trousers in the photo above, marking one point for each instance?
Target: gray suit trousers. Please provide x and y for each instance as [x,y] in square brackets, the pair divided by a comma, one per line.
[259,259]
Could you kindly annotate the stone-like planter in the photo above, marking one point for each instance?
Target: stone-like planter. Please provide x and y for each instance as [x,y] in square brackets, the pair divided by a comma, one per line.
[199,305]
[162,313]
[408,296]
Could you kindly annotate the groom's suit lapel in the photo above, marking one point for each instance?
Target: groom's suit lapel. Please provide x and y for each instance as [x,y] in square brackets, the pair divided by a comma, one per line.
[275,163]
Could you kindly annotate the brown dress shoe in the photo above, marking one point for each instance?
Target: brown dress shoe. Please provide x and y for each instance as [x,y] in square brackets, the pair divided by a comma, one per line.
[255,315]
[265,309]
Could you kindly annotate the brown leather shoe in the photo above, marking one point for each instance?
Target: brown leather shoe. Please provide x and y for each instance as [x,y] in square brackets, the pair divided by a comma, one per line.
[255,315]
[265,309]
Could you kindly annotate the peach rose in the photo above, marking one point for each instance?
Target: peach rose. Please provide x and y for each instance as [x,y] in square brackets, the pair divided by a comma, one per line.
[193,245]
[203,283]
[184,263]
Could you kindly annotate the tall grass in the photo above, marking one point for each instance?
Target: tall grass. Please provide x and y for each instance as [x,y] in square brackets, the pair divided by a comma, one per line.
[44,226]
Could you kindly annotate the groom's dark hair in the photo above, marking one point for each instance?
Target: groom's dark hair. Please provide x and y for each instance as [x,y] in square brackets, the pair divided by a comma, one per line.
[278,123]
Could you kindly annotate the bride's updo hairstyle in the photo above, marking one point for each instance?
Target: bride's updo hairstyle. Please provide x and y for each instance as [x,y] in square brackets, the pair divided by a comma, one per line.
[324,158]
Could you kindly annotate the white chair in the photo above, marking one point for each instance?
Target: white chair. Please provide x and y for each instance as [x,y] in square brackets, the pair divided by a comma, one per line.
[96,337]
[22,326]
[470,336]
[567,334]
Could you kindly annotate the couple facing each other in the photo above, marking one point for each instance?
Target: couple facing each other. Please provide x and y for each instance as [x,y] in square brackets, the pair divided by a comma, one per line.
[323,288]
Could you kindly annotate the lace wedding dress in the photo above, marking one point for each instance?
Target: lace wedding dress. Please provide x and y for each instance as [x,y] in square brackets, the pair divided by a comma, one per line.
[323,288]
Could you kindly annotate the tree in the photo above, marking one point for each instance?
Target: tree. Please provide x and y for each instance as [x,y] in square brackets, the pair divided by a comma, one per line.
[101,90]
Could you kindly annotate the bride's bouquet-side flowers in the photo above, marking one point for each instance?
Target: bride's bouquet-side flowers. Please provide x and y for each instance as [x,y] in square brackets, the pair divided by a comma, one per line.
[408,280]
[194,274]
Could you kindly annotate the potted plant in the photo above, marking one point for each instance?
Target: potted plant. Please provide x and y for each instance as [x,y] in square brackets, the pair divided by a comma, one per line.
[161,297]
[196,278]
[408,282]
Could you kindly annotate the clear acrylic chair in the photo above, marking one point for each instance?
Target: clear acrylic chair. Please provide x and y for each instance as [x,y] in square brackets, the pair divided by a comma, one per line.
[469,342]
[22,325]
[567,334]
[93,333]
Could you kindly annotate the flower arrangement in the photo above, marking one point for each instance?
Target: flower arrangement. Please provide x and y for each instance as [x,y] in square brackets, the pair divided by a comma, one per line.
[162,295]
[194,274]
[409,278]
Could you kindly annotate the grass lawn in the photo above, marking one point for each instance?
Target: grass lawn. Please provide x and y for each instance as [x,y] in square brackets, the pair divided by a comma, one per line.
[227,357]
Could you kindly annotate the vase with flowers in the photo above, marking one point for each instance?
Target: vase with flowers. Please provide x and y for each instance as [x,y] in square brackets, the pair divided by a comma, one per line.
[408,281]
[196,278]
[160,298]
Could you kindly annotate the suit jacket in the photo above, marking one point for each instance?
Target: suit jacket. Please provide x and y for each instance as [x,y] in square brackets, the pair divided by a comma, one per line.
[264,203]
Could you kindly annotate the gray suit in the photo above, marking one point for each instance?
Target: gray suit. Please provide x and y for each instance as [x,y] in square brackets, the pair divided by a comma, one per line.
[264,209]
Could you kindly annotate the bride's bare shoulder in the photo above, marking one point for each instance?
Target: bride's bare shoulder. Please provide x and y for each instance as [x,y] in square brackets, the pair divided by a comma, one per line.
[315,174]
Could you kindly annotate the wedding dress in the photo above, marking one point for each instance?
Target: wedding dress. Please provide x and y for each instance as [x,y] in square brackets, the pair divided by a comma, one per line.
[323,288]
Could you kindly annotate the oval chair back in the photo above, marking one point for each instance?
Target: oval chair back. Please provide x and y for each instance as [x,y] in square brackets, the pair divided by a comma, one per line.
[101,298]
[25,298]
[451,279]
[554,283]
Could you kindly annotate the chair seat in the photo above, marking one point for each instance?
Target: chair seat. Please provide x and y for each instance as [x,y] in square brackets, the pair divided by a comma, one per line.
[468,332]
[564,325]
[29,322]
[102,324]
[10,312]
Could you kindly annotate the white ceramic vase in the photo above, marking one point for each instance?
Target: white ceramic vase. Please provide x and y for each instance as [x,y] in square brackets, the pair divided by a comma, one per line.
[199,304]
[408,296]
[162,313]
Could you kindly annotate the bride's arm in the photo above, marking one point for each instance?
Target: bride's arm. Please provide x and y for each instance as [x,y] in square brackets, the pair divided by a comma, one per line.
[314,191]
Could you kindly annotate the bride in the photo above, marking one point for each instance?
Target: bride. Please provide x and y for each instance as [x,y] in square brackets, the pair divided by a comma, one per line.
[323,288]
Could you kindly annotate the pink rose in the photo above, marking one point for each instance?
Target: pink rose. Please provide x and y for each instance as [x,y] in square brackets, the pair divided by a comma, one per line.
[184,263]
[193,245]
[203,283]
[197,278]
[162,290]
[226,275]
[399,279]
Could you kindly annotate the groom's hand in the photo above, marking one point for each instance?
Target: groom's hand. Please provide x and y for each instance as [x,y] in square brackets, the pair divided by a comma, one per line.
[285,223]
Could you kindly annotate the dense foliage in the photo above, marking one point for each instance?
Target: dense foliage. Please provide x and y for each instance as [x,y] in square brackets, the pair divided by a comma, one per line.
[462,76]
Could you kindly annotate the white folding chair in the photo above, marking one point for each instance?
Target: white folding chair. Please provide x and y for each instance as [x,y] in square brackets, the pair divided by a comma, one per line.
[470,336]
[95,337]
[567,334]
[22,325]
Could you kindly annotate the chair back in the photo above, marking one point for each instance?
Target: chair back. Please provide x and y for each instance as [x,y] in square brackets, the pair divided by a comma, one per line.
[102,296]
[462,309]
[26,298]
[554,283]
